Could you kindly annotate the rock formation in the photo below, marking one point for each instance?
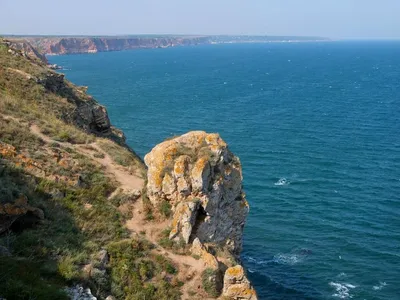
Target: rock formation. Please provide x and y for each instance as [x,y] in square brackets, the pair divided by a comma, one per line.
[236,284]
[26,49]
[202,180]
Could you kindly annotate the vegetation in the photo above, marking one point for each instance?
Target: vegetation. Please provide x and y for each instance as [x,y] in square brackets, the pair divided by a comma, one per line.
[72,191]
[165,208]
[209,279]
[179,247]
[119,154]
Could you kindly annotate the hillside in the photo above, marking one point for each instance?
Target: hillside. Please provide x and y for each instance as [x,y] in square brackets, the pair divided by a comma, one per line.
[79,209]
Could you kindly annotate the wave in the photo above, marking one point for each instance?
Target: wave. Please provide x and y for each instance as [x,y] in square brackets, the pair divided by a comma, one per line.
[342,289]
[282,181]
[287,259]
[380,286]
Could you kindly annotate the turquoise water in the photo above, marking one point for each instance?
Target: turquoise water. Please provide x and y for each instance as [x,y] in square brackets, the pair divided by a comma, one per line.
[317,128]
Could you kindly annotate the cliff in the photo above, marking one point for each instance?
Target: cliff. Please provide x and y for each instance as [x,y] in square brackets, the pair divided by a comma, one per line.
[70,45]
[77,219]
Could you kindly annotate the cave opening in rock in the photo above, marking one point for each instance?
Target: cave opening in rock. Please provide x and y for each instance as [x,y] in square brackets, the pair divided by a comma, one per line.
[200,217]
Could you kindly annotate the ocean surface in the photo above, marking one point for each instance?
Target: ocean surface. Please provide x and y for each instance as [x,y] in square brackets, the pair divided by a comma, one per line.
[317,129]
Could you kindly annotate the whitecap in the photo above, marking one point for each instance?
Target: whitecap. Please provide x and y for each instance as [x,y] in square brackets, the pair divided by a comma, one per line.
[380,286]
[287,259]
[341,275]
[342,289]
[282,181]
[255,261]
[250,270]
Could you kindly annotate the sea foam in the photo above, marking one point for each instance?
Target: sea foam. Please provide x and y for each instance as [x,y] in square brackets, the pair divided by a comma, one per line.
[380,286]
[342,290]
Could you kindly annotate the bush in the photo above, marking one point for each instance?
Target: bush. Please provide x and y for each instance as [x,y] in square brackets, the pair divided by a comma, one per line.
[67,268]
[165,208]
[209,279]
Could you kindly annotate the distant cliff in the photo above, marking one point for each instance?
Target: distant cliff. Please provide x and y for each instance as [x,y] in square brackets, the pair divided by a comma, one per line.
[70,45]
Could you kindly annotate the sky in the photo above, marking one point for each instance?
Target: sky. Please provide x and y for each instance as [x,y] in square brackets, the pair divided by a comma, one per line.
[326,18]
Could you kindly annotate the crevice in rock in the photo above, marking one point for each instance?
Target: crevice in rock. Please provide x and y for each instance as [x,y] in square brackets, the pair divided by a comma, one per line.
[200,217]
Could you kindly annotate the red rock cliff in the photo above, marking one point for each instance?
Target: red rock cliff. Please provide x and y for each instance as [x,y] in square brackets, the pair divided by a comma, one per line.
[69,45]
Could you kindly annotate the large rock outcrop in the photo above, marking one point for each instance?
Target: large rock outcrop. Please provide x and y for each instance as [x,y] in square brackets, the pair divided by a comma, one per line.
[202,180]
[236,284]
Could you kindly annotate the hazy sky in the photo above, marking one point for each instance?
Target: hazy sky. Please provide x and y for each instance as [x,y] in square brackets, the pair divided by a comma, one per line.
[329,18]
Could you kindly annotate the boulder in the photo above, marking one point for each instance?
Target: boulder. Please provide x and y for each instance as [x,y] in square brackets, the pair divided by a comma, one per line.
[202,180]
[93,117]
[236,284]
[200,250]
[79,293]
[52,81]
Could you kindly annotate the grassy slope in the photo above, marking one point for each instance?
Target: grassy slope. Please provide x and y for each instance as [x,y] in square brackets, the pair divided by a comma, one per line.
[80,220]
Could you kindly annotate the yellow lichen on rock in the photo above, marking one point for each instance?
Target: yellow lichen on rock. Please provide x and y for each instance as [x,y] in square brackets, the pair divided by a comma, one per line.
[199,165]
[236,284]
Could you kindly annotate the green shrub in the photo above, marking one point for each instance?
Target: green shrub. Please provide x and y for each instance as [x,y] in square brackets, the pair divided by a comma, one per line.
[209,279]
[165,208]
[67,268]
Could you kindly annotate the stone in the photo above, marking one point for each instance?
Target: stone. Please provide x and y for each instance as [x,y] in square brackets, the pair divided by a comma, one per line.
[200,250]
[184,220]
[198,167]
[103,258]
[111,298]
[52,81]
[236,284]
[93,118]
[79,293]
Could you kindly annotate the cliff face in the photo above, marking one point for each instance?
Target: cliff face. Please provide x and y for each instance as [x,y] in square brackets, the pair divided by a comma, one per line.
[202,181]
[70,45]
[26,49]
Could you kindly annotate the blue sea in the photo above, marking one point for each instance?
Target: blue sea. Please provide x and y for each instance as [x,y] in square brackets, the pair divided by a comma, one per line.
[317,129]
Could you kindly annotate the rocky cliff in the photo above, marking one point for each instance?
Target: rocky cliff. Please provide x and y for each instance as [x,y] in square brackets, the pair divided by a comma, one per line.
[70,45]
[26,49]
[202,181]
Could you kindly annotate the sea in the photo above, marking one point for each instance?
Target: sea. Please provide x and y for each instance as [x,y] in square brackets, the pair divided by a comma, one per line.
[317,128]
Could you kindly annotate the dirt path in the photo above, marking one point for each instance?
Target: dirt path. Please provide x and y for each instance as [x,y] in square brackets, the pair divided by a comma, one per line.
[126,179]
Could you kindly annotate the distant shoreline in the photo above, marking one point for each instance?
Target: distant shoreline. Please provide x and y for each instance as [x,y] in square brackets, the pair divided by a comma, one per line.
[59,45]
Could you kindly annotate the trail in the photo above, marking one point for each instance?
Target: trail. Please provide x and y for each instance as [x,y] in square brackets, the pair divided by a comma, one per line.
[125,178]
